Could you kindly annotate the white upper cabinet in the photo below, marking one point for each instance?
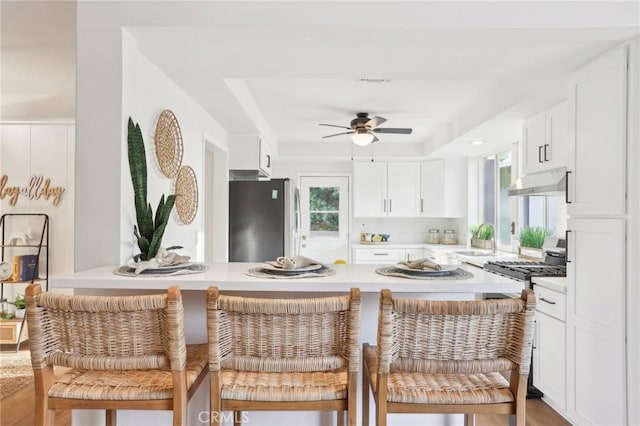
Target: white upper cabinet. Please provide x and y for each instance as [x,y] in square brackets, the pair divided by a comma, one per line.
[386,189]
[249,154]
[544,140]
[403,189]
[597,141]
[432,188]
[443,188]
[369,189]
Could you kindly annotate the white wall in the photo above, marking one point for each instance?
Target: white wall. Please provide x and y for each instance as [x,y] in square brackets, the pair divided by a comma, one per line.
[43,149]
[147,91]
[113,83]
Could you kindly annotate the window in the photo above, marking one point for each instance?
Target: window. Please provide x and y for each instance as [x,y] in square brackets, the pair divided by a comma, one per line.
[543,211]
[324,211]
[496,202]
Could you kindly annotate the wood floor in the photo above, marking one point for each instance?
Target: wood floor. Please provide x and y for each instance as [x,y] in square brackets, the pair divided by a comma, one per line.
[18,410]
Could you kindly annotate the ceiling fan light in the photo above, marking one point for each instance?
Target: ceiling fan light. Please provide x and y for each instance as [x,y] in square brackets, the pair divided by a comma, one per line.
[362,138]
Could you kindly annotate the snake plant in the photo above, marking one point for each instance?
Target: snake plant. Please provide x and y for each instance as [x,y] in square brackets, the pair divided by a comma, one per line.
[149,230]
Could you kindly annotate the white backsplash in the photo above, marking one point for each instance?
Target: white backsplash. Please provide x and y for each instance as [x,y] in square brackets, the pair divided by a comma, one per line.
[409,230]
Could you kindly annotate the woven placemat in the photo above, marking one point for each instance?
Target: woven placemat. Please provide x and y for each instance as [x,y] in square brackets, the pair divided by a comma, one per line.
[456,274]
[129,271]
[260,272]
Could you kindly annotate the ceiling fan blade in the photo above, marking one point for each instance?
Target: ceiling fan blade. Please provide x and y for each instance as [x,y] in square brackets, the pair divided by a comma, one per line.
[375,139]
[338,134]
[375,122]
[393,130]
[333,125]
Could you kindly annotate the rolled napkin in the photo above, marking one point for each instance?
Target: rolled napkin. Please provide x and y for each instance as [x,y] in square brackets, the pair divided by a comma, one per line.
[424,264]
[295,262]
[163,258]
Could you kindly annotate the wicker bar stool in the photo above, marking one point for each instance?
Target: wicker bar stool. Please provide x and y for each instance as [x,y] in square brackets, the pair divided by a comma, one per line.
[283,354]
[124,352]
[446,357]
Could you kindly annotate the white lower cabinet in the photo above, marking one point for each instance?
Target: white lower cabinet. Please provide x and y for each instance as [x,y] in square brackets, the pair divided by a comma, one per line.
[378,256]
[386,256]
[414,254]
[549,351]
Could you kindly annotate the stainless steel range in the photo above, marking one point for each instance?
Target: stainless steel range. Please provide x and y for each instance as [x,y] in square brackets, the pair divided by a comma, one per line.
[524,270]
[554,265]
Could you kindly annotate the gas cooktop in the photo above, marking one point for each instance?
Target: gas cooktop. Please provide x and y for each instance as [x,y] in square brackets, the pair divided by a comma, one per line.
[524,270]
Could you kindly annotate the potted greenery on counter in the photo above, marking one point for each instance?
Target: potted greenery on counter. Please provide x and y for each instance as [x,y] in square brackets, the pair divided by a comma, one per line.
[531,240]
[149,230]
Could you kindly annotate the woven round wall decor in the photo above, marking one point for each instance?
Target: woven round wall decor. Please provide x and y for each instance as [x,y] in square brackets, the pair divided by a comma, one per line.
[168,140]
[186,191]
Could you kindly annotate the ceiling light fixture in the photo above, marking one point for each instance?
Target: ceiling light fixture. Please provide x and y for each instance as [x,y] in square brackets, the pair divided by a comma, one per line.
[362,138]
[477,142]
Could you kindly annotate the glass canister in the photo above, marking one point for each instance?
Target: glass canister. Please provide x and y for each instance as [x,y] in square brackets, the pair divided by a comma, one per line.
[433,236]
[449,236]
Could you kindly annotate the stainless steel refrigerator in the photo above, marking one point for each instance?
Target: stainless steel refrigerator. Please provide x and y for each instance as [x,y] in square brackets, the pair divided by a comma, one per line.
[264,220]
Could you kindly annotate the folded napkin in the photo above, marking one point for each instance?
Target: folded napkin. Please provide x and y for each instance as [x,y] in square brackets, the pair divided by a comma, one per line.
[163,258]
[295,262]
[424,264]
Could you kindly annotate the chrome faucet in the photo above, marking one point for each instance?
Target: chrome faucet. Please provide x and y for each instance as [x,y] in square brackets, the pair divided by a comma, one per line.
[493,235]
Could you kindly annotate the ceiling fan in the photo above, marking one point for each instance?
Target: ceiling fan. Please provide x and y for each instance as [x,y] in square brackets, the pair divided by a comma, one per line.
[363,128]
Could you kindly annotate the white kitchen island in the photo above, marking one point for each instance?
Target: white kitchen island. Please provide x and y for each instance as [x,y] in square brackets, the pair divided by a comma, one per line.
[230,278]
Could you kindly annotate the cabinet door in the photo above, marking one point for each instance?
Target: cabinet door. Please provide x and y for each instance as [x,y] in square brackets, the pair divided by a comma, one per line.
[597,139]
[369,189]
[596,321]
[550,368]
[414,254]
[265,158]
[455,187]
[534,139]
[554,152]
[432,201]
[403,189]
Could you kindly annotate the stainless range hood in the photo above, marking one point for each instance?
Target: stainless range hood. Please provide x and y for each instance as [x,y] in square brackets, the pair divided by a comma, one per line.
[549,182]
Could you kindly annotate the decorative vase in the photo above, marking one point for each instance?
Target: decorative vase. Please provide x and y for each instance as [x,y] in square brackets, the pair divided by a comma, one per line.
[20,313]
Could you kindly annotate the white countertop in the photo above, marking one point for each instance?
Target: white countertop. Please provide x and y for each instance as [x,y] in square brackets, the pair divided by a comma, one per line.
[231,276]
[442,247]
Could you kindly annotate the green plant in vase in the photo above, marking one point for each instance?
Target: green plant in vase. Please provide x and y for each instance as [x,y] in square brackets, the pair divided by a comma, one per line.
[149,229]
[533,236]
[486,232]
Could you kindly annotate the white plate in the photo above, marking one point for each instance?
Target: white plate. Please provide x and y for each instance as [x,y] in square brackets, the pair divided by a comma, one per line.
[445,268]
[305,269]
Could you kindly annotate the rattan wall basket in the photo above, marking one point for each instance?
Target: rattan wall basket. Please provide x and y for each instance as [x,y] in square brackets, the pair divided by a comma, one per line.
[186,191]
[168,142]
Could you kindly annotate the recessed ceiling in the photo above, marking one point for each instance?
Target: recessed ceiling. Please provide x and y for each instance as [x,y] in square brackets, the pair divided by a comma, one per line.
[450,68]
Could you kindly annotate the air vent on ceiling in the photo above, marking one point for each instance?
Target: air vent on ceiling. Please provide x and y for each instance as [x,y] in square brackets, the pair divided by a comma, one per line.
[373,80]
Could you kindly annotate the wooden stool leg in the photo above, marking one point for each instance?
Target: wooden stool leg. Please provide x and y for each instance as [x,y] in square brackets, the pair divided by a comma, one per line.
[110,418]
[340,418]
[237,418]
[469,419]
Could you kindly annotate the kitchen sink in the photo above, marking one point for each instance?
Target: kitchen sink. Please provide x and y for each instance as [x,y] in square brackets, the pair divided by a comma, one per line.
[474,253]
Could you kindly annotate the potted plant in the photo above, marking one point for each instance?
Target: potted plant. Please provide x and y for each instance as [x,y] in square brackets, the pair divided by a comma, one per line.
[482,236]
[19,305]
[531,240]
[149,229]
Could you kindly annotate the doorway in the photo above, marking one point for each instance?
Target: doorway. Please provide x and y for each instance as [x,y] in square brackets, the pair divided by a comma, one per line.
[324,207]
[212,241]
